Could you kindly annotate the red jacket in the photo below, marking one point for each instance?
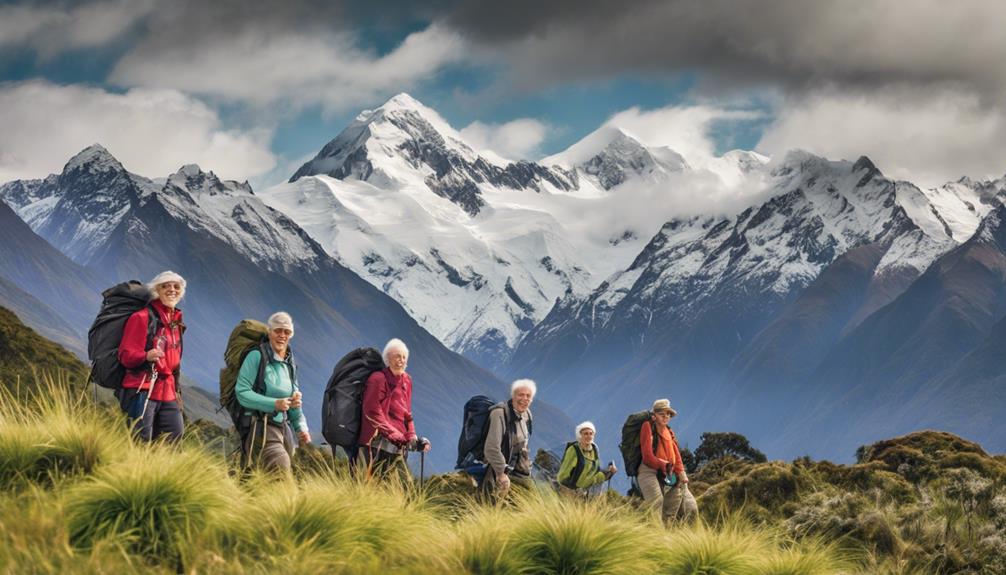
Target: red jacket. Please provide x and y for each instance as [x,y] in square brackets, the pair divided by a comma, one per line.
[667,449]
[387,408]
[133,351]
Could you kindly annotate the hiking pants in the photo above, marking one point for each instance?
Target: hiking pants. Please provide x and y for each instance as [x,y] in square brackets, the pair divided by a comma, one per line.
[161,417]
[676,502]
[381,464]
[269,446]
[679,504]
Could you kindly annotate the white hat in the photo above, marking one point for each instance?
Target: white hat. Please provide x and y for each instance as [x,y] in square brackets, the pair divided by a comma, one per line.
[164,277]
[585,425]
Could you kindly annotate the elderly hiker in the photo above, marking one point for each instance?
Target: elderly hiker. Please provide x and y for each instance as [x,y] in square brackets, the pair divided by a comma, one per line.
[152,356]
[662,476]
[506,445]
[581,463]
[387,430]
[279,405]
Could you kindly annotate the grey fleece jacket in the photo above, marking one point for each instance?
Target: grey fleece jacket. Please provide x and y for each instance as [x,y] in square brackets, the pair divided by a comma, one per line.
[518,443]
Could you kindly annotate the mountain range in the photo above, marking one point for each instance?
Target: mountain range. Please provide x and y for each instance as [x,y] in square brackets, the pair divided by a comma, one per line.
[823,300]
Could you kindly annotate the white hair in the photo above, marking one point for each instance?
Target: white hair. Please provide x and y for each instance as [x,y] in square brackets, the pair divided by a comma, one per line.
[164,277]
[280,319]
[585,425]
[392,345]
[525,383]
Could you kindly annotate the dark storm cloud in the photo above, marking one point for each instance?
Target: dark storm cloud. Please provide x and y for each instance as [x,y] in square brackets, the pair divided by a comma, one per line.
[792,43]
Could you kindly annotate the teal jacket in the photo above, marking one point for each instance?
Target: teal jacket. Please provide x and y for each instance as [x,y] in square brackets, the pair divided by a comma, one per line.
[278,384]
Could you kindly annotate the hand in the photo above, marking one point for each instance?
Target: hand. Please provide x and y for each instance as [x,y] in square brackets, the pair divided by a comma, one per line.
[612,470]
[503,482]
[283,404]
[426,445]
[154,354]
[683,477]
[304,436]
[295,400]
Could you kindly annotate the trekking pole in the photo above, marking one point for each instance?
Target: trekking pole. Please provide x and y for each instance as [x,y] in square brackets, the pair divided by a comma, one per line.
[150,391]
[422,467]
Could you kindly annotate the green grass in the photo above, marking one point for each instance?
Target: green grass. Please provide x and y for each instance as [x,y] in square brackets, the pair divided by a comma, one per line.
[78,495]
[154,501]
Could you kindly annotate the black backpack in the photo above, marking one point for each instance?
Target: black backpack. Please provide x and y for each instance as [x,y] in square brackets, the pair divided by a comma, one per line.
[632,456]
[117,304]
[475,427]
[342,409]
[581,462]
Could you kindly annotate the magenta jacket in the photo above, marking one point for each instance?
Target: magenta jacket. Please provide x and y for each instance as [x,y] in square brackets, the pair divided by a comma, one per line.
[387,408]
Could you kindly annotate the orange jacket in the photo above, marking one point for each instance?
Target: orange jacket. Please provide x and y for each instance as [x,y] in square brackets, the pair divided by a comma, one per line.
[667,452]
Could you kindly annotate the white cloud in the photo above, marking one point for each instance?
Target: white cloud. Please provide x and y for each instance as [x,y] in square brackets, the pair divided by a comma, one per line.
[152,132]
[321,67]
[52,30]
[685,129]
[927,137]
[517,139]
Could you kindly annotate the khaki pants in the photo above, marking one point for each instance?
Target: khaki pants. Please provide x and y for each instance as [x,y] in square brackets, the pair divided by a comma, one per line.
[676,502]
[273,453]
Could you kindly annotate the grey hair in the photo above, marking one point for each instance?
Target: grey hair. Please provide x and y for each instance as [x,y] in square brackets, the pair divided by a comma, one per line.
[525,383]
[165,276]
[280,319]
[585,425]
[392,345]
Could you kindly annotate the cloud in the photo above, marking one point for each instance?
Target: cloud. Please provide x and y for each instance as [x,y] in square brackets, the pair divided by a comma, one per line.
[152,132]
[790,43]
[51,30]
[263,65]
[927,137]
[685,129]
[517,139]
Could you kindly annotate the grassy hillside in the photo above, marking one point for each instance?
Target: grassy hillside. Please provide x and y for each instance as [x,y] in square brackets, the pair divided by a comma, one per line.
[23,352]
[76,495]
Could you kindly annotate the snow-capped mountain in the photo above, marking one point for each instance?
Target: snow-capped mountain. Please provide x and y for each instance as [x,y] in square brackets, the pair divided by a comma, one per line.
[704,289]
[477,248]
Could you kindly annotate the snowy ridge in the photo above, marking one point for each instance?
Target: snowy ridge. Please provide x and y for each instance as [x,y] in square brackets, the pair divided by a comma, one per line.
[230,211]
[816,210]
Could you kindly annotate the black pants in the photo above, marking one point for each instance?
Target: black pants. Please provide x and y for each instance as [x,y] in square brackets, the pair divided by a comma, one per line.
[161,417]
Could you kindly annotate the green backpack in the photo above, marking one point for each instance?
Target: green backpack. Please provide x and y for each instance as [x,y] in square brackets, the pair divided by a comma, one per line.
[632,456]
[248,335]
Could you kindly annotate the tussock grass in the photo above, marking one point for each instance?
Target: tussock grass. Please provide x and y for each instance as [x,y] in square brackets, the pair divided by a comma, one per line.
[51,433]
[343,524]
[558,536]
[153,501]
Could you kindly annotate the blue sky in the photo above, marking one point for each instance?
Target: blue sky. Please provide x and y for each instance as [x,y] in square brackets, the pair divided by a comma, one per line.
[249,88]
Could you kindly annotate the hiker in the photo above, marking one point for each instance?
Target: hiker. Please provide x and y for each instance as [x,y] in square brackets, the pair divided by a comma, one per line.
[506,446]
[581,464]
[269,442]
[662,473]
[149,391]
[387,431]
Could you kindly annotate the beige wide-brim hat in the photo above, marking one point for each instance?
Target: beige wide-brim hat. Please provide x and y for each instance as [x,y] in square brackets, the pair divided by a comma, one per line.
[663,405]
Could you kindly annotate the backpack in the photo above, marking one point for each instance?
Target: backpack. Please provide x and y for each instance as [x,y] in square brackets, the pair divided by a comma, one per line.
[632,456]
[342,409]
[475,428]
[117,304]
[581,462]
[248,335]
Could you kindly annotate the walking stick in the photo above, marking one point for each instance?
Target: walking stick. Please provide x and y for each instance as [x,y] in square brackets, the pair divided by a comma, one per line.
[422,467]
[150,391]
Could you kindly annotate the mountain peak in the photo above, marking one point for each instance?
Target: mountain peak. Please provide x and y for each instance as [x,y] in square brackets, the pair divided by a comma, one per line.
[403,101]
[95,158]
[592,145]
